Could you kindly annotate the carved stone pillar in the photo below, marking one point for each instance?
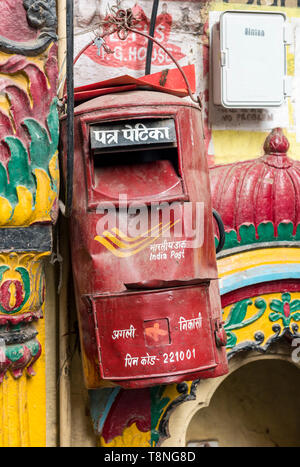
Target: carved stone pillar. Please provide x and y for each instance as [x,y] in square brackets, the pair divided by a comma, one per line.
[29,184]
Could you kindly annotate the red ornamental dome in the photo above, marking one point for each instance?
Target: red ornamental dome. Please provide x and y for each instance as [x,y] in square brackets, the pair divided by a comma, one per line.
[257,191]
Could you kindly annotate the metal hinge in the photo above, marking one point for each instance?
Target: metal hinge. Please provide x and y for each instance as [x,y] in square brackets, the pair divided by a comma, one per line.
[220,333]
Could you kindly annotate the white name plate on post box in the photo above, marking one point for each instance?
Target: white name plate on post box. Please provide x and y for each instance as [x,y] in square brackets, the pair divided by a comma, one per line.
[133,133]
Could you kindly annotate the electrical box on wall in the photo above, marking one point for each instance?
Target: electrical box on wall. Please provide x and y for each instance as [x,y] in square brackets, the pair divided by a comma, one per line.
[249,59]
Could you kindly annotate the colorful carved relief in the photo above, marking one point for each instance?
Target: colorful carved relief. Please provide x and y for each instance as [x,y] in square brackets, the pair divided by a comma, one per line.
[255,323]
[22,294]
[139,418]
[261,253]
[29,179]
[164,400]
[29,185]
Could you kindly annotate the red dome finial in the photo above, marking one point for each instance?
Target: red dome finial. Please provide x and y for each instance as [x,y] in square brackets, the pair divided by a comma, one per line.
[276,143]
[276,147]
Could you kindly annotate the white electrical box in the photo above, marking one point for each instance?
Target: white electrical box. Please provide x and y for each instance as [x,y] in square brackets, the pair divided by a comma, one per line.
[249,59]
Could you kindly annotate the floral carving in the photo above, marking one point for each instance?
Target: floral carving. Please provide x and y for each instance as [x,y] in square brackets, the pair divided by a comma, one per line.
[236,318]
[260,336]
[285,309]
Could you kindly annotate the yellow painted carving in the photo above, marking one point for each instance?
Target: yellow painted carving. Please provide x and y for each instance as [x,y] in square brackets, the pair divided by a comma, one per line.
[33,263]
[5,211]
[25,213]
[22,211]
[263,324]
[23,405]
[23,401]
[12,291]
[4,104]
[44,197]
[21,80]
[131,437]
[54,170]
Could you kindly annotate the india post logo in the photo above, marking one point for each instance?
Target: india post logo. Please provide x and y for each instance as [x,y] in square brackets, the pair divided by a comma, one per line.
[122,246]
[128,229]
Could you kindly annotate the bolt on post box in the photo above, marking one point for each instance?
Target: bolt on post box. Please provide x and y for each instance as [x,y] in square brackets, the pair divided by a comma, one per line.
[142,242]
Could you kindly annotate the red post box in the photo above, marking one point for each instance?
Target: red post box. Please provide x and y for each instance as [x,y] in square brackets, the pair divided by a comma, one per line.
[143,252]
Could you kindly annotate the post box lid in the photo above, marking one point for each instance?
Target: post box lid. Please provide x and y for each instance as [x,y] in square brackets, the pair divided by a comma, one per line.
[168,80]
[130,99]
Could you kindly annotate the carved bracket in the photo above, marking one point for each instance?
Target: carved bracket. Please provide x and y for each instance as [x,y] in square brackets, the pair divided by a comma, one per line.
[41,14]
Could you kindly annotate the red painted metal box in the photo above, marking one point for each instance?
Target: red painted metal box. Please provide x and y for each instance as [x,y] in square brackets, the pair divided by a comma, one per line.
[143,252]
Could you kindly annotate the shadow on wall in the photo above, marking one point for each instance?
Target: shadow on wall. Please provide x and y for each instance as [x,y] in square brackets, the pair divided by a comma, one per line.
[257,405]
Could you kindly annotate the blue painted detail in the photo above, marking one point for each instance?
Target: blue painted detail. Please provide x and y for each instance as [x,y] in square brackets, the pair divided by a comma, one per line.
[258,275]
[101,401]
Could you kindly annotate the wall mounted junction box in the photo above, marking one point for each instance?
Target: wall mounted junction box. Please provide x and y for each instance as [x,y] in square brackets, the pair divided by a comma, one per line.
[249,59]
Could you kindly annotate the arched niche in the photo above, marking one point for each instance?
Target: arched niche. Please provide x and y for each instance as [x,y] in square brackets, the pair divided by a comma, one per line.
[255,404]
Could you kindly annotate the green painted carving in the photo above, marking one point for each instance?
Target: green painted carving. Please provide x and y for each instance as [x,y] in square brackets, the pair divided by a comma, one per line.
[285,231]
[41,147]
[231,240]
[21,167]
[297,236]
[247,234]
[265,234]
[236,318]
[19,349]
[285,309]
[26,284]
[34,347]
[2,270]
[158,403]
[14,352]
[18,170]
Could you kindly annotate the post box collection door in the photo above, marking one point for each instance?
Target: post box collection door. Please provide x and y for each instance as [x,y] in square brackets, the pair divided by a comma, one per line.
[143,252]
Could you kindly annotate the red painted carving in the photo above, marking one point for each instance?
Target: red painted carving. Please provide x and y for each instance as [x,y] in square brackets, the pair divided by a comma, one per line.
[15,26]
[27,317]
[122,415]
[6,295]
[259,190]
[25,359]
[21,104]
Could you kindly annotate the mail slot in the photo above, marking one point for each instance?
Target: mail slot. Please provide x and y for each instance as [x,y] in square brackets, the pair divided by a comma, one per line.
[142,240]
